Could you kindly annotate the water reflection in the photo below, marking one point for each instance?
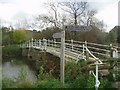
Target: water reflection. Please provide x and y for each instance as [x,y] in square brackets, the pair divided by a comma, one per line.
[11,69]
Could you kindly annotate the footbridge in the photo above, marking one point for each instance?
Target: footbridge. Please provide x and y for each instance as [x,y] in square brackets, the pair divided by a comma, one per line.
[94,54]
[76,50]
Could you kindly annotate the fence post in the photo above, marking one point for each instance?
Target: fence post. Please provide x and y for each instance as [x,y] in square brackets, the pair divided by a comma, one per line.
[39,43]
[29,43]
[86,52]
[72,44]
[111,50]
[54,42]
[45,44]
[35,42]
[115,53]
[32,43]
[83,51]
[26,43]
[48,41]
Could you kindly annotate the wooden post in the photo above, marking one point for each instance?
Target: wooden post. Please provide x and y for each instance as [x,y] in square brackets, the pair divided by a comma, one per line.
[111,50]
[39,43]
[45,44]
[35,43]
[62,57]
[83,51]
[29,43]
[54,42]
[86,53]
[32,43]
[72,44]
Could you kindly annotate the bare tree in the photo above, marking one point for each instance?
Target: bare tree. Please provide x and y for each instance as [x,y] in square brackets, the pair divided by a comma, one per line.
[90,15]
[99,24]
[75,9]
[52,17]
[22,23]
[54,8]
[87,17]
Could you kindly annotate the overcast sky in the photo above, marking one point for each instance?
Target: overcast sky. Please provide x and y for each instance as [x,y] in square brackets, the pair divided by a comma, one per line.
[13,10]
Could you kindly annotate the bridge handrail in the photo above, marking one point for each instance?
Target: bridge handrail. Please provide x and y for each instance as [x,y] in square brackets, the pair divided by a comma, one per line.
[93,55]
[98,49]
[89,43]
[75,46]
[80,46]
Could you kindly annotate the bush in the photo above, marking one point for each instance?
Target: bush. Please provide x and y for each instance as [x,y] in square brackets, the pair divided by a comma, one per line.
[7,83]
[90,81]
[12,50]
[105,83]
[25,84]
[50,83]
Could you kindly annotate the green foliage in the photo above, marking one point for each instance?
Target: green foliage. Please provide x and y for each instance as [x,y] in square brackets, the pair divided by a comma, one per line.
[19,36]
[43,74]
[49,83]
[110,77]
[105,83]
[6,37]
[46,80]
[25,84]
[7,83]
[80,81]
[12,50]
[74,78]
[90,81]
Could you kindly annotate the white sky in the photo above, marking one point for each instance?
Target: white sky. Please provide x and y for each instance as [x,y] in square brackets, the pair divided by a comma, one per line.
[13,10]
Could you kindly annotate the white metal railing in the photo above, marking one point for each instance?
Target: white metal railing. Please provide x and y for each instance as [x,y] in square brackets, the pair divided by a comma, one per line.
[75,46]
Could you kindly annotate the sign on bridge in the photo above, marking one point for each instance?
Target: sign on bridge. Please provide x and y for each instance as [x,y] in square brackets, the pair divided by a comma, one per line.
[77,28]
[57,35]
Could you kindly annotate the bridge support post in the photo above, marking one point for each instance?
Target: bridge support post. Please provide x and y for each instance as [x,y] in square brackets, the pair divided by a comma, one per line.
[62,57]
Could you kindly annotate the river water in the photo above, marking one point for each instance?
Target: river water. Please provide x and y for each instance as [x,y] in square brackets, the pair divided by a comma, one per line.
[11,68]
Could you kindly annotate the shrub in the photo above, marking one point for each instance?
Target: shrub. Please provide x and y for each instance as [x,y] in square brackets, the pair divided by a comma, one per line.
[25,84]
[7,83]
[12,50]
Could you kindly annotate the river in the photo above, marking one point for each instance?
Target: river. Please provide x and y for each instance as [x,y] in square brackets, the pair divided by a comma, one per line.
[11,68]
